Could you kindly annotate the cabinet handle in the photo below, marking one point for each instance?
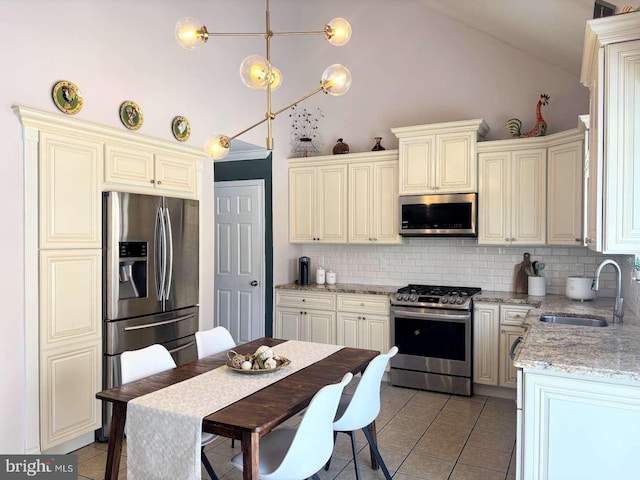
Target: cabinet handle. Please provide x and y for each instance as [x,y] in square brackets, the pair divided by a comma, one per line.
[152,181]
[512,350]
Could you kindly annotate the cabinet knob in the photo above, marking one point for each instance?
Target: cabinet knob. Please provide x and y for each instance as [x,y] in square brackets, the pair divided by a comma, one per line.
[362,304]
[587,241]
[364,318]
[304,299]
[152,181]
[578,240]
[159,182]
[300,313]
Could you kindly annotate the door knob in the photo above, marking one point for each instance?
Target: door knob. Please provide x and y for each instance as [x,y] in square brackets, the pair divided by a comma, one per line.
[254,283]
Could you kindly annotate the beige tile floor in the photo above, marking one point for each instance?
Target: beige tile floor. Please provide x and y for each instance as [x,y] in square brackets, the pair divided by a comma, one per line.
[421,435]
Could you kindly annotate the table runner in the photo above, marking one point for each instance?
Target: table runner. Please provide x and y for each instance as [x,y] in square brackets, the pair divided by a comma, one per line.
[164,427]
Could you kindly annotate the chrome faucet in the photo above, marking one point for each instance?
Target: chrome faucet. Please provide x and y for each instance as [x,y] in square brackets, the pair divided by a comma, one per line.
[618,313]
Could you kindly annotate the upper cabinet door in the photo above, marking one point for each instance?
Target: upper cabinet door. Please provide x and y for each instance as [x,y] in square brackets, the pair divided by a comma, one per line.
[494,199]
[417,170]
[385,205]
[175,174]
[456,165]
[70,182]
[331,204]
[302,183]
[565,165]
[622,144]
[129,165]
[529,173]
[360,203]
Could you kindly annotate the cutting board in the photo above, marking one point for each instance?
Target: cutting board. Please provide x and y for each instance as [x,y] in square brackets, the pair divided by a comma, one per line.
[521,279]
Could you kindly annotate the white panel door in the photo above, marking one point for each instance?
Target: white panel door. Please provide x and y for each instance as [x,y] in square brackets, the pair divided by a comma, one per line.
[456,168]
[486,322]
[494,207]
[416,165]
[239,258]
[528,196]
[331,204]
[385,202]
[360,203]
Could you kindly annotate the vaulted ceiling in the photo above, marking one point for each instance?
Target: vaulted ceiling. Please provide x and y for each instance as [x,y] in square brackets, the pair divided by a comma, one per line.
[551,30]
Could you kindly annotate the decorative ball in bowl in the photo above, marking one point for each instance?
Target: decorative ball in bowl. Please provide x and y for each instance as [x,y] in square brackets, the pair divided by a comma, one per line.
[262,361]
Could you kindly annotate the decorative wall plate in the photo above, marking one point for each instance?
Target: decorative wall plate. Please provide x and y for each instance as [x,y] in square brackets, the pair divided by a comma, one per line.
[67,97]
[131,115]
[181,128]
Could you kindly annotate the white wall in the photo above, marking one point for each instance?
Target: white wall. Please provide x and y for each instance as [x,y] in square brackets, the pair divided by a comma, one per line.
[410,66]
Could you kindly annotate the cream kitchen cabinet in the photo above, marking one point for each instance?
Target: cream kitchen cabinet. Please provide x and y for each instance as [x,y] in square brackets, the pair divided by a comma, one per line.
[69,197]
[496,328]
[363,321]
[305,315]
[318,203]
[610,63]
[307,325]
[373,201]
[565,166]
[344,198]
[353,320]
[147,169]
[64,162]
[486,328]
[580,427]
[512,193]
[439,158]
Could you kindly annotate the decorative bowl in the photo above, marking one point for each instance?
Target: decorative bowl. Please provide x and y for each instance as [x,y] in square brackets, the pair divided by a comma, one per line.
[281,363]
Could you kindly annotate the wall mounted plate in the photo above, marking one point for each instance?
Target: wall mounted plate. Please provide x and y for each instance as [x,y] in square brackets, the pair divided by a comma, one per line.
[181,128]
[67,97]
[131,115]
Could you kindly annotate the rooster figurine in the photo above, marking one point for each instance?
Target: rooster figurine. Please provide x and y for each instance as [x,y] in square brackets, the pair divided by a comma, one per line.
[514,125]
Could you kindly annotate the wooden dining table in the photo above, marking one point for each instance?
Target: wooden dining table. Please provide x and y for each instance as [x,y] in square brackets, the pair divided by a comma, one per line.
[248,419]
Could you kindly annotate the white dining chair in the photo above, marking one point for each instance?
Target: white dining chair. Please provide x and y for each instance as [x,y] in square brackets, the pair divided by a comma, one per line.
[137,364]
[359,410]
[289,453]
[215,340]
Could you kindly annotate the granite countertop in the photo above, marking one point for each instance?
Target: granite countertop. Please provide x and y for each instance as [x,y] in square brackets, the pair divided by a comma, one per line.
[343,288]
[611,352]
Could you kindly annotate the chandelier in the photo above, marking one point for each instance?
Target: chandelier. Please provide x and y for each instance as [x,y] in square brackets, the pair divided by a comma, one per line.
[257,72]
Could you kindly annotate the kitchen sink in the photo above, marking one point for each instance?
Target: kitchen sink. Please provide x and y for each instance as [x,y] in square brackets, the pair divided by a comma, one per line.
[580,321]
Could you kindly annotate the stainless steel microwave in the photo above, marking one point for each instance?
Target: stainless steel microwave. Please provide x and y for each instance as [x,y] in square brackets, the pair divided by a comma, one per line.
[439,215]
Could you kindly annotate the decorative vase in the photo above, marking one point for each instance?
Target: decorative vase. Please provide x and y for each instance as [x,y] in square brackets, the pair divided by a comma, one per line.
[340,147]
[305,145]
[377,147]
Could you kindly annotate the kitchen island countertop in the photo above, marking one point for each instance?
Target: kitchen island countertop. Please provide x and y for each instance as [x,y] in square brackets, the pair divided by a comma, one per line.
[611,352]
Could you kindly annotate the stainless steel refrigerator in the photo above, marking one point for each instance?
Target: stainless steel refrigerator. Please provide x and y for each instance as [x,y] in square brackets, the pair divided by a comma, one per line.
[150,284]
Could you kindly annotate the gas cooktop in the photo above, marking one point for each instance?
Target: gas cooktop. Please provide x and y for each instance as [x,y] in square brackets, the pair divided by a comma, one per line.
[430,296]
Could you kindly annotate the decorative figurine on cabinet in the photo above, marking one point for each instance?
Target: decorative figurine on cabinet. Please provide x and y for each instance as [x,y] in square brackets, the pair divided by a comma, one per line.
[340,147]
[378,147]
[513,124]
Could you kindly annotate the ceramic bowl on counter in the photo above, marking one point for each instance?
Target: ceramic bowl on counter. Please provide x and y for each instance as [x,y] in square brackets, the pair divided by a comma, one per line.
[579,288]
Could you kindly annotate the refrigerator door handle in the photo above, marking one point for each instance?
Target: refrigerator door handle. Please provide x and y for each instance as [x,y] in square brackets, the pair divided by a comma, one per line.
[157,324]
[160,258]
[169,244]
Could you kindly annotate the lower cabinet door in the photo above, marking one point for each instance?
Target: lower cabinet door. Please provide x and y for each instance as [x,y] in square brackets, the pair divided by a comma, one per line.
[289,324]
[508,373]
[348,325]
[320,326]
[70,380]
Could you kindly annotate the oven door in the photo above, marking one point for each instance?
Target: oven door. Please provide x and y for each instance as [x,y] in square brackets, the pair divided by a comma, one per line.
[432,340]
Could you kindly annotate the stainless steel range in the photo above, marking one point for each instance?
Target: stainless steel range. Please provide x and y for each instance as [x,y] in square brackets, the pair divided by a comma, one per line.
[432,328]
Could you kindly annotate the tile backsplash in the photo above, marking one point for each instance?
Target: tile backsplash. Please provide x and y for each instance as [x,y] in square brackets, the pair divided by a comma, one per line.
[461,261]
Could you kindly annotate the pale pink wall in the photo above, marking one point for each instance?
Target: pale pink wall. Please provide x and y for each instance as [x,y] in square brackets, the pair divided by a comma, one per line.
[410,66]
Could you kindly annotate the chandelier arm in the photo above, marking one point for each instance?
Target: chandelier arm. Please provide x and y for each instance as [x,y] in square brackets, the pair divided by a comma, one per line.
[273,115]
[318,32]
[236,34]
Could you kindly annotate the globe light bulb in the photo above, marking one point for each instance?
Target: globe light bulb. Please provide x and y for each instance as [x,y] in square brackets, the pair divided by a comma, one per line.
[216,146]
[276,78]
[190,33]
[255,72]
[338,32]
[336,80]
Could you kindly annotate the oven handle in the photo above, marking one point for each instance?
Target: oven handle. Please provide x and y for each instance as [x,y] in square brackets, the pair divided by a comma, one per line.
[431,316]
[157,324]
